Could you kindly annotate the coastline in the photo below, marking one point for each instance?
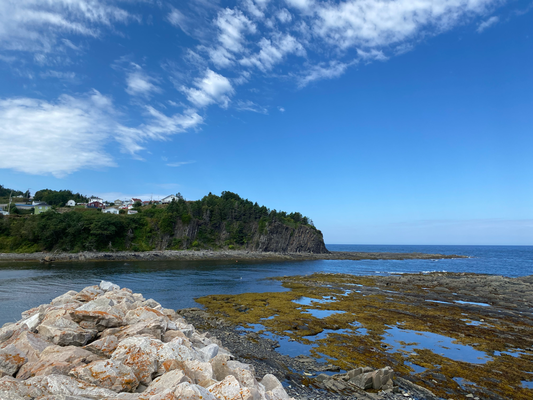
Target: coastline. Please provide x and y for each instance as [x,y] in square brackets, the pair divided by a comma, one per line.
[220,255]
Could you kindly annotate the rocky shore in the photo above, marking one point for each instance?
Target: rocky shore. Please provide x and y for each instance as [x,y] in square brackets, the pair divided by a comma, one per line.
[109,343]
[238,255]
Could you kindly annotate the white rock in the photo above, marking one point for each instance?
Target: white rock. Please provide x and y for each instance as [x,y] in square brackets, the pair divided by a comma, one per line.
[201,373]
[109,374]
[208,352]
[230,389]
[65,385]
[188,391]
[140,353]
[108,286]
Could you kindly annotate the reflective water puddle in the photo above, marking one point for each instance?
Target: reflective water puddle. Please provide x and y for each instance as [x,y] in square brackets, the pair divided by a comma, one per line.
[407,340]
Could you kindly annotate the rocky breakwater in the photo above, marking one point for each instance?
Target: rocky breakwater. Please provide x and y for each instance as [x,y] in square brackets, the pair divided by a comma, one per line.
[109,343]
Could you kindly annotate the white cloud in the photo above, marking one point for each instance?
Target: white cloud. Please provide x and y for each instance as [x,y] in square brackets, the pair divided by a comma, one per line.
[66,76]
[40,137]
[284,16]
[180,163]
[72,133]
[372,54]
[140,83]
[325,71]
[249,105]
[487,24]
[273,51]
[281,109]
[212,88]
[34,25]
[232,26]
[302,5]
[372,23]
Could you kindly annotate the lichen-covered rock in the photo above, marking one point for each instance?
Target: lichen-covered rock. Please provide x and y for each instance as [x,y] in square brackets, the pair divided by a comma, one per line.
[165,384]
[109,374]
[58,385]
[188,391]
[103,347]
[230,389]
[140,354]
[56,360]
[11,359]
[199,372]
[59,328]
[99,320]
[273,388]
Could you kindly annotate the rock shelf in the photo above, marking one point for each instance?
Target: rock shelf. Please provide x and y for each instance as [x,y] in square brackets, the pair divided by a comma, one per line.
[233,255]
[105,342]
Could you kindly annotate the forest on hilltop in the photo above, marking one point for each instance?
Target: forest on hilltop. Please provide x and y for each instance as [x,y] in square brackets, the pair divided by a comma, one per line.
[214,222]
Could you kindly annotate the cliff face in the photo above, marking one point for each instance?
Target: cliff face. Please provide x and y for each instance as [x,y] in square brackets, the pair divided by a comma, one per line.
[271,237]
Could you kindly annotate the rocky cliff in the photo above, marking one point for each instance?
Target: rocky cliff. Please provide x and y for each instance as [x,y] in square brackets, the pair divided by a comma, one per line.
[269,237]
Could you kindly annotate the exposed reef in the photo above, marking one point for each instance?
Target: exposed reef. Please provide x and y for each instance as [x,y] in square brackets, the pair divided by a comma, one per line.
[454,334]
[241,255]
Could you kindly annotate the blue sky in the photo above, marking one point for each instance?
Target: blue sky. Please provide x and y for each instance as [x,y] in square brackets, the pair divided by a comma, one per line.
[386,122]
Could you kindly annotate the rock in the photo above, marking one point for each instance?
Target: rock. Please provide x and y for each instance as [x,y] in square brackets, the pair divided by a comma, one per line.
[140,353]
[363,381]
[56,360]
[99,320]
[199,372]
[11,359]
[29,343]
[274,389]
[381,377]
[103,347]
[57,385]
[166,382]
[208,352]
[230,389]
[58,328]
[144,314]
[109,374]
[108,286]
[88,294]
[188,391]
[175,351]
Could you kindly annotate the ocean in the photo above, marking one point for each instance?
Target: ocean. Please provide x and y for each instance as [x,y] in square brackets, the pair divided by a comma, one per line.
[175,284]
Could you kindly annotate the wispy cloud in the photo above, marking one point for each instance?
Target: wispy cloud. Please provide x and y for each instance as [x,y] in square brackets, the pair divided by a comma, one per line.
[140,83]
[487,24]
[179,163]
[249,105]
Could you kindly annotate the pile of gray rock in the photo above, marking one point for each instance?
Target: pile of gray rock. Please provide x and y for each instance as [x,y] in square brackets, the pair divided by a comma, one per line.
[362,378]
[109,343]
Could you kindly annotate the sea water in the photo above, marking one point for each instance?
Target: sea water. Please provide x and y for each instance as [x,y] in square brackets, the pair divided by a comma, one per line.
[175,284]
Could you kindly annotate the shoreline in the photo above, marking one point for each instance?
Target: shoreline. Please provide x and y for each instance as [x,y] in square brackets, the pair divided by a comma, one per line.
[219,255]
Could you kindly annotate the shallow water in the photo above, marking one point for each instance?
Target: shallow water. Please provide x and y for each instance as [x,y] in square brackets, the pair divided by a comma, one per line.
[175,284]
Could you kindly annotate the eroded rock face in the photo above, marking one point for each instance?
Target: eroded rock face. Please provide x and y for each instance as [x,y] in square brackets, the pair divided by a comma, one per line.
[105,342]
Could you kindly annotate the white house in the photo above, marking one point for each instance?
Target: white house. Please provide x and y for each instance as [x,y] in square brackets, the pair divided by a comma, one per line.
[98,199]
[111,210]
[71,203]
[132,212]
[169,199]
[118,202]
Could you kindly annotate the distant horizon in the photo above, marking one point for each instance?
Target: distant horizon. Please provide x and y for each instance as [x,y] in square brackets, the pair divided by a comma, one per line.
[403,244]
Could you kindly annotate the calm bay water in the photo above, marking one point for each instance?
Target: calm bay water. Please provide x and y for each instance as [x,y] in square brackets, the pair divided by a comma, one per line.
[175,284]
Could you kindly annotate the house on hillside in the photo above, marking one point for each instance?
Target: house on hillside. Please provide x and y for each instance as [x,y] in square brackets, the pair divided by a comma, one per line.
[111,210]
[41,207]
[98,199]
[134,200]
[3,208]
[169,199]
[71,203]
[132,212]
[95,204]
[118,202]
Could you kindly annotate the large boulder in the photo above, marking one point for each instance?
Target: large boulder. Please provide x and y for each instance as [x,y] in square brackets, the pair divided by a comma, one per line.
[56,360]
[59,328]
[140,354]
[109,374]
